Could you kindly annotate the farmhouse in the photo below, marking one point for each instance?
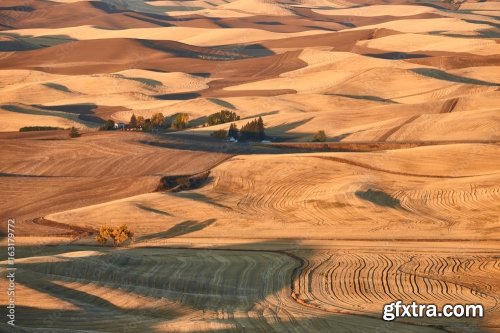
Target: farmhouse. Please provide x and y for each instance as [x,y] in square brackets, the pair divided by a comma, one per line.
[120,126]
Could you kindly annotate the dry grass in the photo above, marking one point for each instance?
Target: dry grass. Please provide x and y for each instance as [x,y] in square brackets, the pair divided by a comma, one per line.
[407,208]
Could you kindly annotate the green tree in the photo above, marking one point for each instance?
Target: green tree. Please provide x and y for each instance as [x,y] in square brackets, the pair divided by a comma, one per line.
[222,117]
[147,125]
[260,129]
[233,132]
[180,121]
[108,125]
[253,130]
[133,121]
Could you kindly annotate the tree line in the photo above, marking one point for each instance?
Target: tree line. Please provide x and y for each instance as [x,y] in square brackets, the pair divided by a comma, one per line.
[253,130]
[157,121]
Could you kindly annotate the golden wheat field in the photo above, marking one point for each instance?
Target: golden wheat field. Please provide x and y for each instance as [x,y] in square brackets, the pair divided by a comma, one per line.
[375,177]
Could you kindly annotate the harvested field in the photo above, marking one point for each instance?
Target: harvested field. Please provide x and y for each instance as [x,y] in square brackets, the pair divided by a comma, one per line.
[360,146]
[92,169]
[399,199]
[191,299]
[326,196]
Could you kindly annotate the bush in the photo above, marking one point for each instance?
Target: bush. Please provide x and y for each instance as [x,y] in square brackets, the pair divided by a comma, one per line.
[74,133]
[253,130]
[39,128]
[119,235]
[180,121]
[183,182]
[219,134]
[222,117]
[109,125]
[320,136]
[103,235]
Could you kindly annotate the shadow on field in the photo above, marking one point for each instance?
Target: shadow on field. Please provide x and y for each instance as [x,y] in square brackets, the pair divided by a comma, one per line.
[396,55]
[80,113]
[46,112]
[180,229]
[288,126]
[152,210]
[148,289]
[85,111]
[12,42]
[379,198]
[178,96]
[442,75]
[223,103]
[367,98]
[200,198]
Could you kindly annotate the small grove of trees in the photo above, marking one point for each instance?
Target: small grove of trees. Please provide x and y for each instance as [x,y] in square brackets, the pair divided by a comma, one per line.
[157,121]
[118,235]
[74,133]
[233,131]
[147,124]
[222,117]
[252,131]
[320,136]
